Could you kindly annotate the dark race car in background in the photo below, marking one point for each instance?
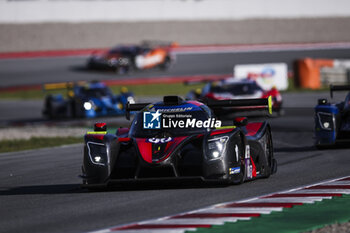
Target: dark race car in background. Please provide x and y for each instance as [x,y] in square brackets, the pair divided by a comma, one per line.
[231,88]
[93,99]
[123,58]
[150,150]
[332,120]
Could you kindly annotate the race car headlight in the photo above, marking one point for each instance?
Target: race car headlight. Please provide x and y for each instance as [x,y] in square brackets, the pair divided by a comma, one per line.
[123,61]
[87,106]
[216,147]
[325,120]
[97,158]
[131,100]
[97,153]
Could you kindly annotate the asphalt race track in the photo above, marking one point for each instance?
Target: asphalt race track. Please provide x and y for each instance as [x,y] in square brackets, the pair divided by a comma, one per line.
[40,189]
[44,70]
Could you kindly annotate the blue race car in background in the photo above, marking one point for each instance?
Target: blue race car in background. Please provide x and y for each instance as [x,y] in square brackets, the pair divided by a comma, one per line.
[332,120]
[93,99]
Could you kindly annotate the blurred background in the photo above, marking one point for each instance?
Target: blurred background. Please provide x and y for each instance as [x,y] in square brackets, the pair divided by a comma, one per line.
[288,45]
[30,25]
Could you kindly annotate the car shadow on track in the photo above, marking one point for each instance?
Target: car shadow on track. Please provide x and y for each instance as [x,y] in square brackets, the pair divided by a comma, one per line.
[113,73]
[42,189]
[295,149]
[338,146]
[162,186]
[76,188]
[84,69]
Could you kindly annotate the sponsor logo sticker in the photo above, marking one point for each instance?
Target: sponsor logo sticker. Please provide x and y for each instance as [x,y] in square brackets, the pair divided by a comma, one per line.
[234,170]
[159,140]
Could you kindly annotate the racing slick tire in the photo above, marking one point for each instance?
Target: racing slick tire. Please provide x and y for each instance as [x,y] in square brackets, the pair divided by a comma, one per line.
[166,64]
[240,177]
[268,164]
[90,65]
[122,70]
[48,111]
[76,108]
[92,188]
[323,146]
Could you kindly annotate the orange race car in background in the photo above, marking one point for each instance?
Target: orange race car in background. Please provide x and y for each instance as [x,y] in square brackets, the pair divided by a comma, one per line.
[123,58]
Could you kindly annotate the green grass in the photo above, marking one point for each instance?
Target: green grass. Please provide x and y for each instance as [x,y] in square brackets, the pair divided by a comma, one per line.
[159,89]
[28,94]
[36,143]
[138,90]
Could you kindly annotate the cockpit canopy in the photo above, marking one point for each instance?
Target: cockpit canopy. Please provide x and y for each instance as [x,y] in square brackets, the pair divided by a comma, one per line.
[163,120]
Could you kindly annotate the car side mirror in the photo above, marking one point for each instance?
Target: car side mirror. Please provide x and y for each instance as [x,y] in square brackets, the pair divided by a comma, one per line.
[240,121]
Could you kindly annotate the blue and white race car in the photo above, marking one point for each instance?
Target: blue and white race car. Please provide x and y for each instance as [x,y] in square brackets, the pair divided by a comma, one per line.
[93,99]
[332,120]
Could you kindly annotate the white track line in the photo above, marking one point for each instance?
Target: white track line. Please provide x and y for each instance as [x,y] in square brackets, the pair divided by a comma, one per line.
[288,200]
[341,191]
[241,210]
[338,183]
[211,221]
[155,231]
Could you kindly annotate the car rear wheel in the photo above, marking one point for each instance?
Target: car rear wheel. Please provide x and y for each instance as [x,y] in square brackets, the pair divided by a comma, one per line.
[48,110]
[166,64]
[76,108]
[122,69]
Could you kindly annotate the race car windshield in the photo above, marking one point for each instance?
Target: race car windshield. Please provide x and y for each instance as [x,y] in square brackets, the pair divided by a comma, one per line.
[168,126]
[237,89]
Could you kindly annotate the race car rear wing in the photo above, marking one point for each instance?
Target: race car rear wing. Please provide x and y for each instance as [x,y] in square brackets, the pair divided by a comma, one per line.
[339,88]
[243,104]
[237,104]
[159,43]
[63,85]
[133,107]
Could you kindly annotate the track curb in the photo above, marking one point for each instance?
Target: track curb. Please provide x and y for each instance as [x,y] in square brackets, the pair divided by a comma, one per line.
[232,212]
